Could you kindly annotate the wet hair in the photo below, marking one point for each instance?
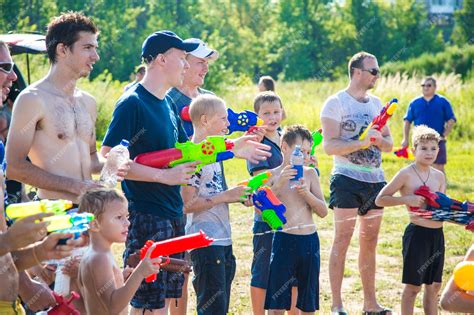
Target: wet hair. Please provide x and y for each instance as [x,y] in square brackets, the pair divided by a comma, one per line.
[268,82]
[96,200]
[65,29]
[294,132]
[267,96]
[423,133]
[357,61]
[204,104]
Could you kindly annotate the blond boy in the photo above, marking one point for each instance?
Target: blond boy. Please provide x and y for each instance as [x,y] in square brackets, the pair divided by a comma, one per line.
[206,200]
[295,251]
[101,281]
[423,240]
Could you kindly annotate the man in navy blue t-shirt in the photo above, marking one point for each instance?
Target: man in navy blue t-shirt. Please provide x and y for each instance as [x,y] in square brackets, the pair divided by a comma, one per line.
[434,111]
[145,116]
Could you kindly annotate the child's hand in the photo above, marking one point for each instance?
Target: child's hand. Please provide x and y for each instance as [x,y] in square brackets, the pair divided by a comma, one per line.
[71,267]
[259,132]
[248,202]
[414,201]
[149,266]
[302,189]
[286,174]
[235,194]
[126,272]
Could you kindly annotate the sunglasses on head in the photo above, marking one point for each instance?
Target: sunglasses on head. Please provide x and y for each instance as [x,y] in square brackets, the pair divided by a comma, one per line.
[6,67]
[427,85]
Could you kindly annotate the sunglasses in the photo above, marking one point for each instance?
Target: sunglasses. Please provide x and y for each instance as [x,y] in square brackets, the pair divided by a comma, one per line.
[6,67]
[427,85]
[373,71]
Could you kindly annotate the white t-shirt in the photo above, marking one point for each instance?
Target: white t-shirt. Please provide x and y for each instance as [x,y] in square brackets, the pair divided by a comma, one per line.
[354,117]
[215,221]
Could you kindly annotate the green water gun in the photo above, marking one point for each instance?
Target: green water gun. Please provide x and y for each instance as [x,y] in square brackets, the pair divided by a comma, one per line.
[317,140]
[25,209]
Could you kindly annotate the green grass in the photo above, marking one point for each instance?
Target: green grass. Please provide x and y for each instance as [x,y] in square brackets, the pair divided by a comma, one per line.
[303,101]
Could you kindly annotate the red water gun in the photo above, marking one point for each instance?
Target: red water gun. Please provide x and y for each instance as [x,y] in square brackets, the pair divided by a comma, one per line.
[173,246]
[64,306]
[405,153]
[381,119]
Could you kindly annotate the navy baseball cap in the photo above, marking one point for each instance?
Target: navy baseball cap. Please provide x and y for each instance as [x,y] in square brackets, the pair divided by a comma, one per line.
[160,42]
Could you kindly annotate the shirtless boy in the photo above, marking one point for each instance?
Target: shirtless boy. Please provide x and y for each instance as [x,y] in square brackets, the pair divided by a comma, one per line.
[100,279]
[423,240]
[53,122]
[295,252]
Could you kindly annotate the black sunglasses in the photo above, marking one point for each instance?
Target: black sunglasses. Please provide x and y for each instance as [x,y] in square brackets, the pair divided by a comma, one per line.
[373,71]
[427,85]
[6,67]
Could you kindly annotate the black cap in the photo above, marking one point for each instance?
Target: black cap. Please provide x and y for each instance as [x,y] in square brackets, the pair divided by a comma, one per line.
[160,42]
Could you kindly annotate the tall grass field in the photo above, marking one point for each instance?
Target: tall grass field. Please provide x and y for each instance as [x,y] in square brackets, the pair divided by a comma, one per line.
[303,102]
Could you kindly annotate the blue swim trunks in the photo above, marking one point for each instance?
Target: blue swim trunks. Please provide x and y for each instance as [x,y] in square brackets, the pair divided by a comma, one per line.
[294,257]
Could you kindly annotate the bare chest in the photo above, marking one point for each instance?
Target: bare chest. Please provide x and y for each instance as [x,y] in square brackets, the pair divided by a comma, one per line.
[68,119]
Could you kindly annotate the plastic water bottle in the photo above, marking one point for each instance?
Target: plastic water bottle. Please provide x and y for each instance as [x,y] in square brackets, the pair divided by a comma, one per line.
[297,161]
[117,157]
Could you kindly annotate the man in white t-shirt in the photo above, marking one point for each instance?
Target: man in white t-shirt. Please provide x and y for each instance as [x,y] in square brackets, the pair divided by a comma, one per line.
[357,176]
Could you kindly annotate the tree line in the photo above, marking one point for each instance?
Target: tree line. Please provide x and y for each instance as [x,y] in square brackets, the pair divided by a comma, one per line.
[288,39]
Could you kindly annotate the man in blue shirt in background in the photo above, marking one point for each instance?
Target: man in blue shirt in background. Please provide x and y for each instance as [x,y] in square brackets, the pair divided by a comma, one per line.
[434,111]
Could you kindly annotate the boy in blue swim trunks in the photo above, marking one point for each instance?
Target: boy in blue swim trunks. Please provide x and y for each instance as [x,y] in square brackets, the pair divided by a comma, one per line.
[295,251]
[269,108]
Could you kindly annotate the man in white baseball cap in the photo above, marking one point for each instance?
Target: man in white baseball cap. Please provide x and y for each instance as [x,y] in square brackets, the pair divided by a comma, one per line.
[198,60]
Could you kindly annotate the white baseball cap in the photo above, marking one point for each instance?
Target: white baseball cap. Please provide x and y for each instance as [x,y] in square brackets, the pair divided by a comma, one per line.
[202,51]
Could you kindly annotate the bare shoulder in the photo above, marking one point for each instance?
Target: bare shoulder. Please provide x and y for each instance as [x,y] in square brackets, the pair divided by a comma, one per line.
[438,175]
[310,174]
[32,97]
[98,263]
[88,100]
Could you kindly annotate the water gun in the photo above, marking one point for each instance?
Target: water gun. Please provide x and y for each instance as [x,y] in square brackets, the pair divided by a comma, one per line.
[442,208]
[211,150]
[464,275]
[317,140]
[381,119]
[184,114]
[272,208]
[64,306]
[75,223]
[256,181]
[405,153]
[173,246]
[21,210]
[243,121]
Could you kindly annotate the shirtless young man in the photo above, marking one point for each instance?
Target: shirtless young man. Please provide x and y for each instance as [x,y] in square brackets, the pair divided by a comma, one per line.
[53,124]
[53,121]
[101,281]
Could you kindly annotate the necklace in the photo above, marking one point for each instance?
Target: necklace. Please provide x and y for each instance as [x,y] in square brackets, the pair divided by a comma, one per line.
[417,174]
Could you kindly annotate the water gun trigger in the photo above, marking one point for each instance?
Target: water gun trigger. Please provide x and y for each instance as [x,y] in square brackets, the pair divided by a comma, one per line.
[166,262]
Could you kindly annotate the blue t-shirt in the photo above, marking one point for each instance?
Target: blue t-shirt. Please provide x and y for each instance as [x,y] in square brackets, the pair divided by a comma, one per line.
[270,163]
[180,100]
[433,113]
[150,124]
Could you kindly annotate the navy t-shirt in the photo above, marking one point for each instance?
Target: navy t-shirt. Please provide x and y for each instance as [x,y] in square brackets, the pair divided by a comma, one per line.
[150,124]
[433,113]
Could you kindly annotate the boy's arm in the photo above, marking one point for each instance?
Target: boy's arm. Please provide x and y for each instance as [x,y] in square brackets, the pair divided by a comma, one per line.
[194,203]
[385,197]
[313,194]
[100,270]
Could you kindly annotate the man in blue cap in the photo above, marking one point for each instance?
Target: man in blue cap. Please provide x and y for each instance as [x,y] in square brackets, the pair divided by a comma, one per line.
[145,116]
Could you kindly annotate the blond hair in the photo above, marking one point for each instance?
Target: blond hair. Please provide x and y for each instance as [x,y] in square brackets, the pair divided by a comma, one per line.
[204,104]
[423,133]
[95,201]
